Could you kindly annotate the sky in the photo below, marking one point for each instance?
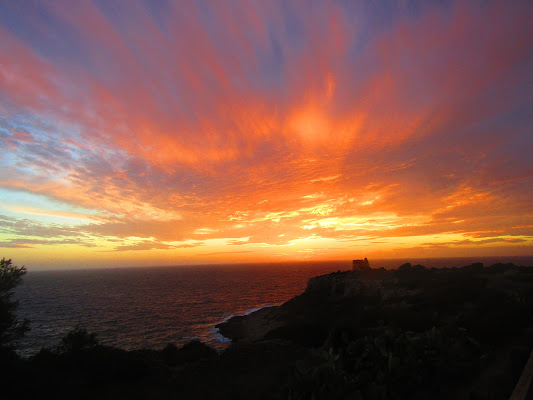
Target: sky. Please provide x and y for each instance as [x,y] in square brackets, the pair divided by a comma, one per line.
[196,132]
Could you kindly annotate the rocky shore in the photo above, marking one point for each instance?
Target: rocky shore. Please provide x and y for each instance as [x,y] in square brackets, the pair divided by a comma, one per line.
[251,327]
[325,290]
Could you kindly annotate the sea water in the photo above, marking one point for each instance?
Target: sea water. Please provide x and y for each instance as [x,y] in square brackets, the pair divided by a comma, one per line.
[135,308]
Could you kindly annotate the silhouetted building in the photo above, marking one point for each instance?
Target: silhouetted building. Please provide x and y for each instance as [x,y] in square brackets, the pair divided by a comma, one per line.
[361,265]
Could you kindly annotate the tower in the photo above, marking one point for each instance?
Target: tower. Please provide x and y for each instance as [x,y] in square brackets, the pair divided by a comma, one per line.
[361,265]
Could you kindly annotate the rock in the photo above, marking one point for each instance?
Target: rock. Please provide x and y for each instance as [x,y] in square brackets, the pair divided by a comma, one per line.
[337,284]
[251,327]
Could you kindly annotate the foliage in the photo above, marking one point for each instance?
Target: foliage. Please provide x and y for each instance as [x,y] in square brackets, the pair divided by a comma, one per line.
[188,353]
[77,340]
[10,328]
[390,363]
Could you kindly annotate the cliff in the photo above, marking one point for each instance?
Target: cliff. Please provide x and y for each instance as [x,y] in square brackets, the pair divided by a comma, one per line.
[412,332]
[338,289]
[258,325]
[337,284]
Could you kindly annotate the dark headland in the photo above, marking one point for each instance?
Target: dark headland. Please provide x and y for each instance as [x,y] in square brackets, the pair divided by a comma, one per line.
[408,333]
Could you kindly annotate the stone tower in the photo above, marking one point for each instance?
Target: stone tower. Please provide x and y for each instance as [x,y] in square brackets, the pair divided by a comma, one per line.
[361,265]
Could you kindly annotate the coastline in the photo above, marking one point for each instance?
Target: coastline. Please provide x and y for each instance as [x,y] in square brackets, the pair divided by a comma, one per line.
[216,330]
[413,332]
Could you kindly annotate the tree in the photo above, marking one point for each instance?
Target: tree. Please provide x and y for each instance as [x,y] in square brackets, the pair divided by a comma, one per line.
[77,340]
[10,328]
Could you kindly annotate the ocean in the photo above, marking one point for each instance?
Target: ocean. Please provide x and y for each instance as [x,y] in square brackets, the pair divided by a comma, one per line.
[149,307]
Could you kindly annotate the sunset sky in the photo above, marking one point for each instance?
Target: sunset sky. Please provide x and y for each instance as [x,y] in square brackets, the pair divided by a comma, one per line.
[181,132]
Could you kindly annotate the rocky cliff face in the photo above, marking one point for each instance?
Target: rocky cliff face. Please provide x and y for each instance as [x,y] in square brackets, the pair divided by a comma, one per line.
[319,292]
[251,327]
[311,307]
[344,284]
[336,284]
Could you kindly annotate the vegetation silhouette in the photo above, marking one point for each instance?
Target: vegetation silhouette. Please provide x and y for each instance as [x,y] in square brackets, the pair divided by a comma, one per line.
[76,341]
[11,329]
